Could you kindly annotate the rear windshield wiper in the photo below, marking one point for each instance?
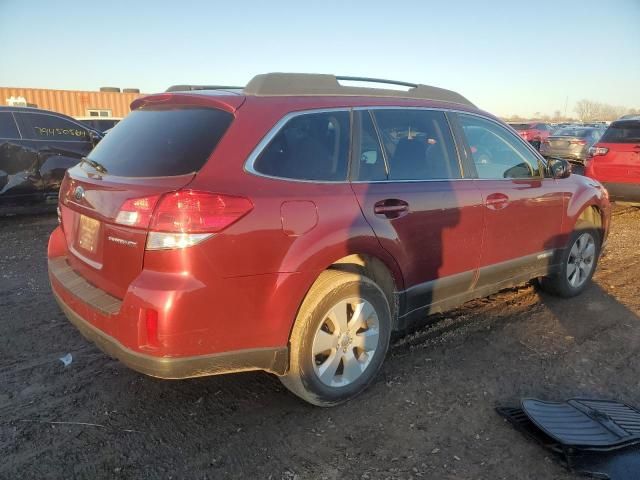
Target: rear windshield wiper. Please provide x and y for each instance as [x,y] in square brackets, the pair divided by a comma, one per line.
[97,165]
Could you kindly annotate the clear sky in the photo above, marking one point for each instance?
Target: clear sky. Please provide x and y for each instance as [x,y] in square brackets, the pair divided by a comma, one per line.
[508,57]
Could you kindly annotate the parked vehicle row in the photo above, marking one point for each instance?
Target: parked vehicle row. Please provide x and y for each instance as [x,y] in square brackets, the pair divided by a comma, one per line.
[292,225]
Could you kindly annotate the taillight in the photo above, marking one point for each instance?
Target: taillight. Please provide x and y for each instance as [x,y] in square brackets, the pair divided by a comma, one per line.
[578,142]
[136,212]
[187,217]
[184,218]
[597,151]
[188,211]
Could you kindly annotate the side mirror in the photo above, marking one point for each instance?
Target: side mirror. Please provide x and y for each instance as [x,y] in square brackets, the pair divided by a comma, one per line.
[559,167]
[94,137]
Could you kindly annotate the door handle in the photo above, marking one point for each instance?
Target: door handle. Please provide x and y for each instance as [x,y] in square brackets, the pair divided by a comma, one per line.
[391,208]
[497,201]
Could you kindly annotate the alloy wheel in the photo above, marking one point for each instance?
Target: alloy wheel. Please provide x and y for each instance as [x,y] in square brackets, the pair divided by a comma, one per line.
[581,260]
[345,342]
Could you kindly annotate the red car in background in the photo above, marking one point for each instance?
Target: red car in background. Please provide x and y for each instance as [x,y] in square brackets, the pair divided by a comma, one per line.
[615,160]
[533,132]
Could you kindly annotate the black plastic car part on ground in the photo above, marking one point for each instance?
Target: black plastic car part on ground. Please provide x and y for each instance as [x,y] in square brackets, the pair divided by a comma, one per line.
[599,438]
[36,148]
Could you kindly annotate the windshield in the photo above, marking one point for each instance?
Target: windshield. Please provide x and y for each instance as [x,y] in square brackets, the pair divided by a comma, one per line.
[161,141]
[622,132]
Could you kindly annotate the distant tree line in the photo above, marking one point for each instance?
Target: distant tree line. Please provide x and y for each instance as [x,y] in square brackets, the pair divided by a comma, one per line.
[586,110]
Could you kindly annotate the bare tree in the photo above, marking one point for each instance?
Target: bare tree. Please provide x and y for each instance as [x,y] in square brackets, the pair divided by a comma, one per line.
[587,110]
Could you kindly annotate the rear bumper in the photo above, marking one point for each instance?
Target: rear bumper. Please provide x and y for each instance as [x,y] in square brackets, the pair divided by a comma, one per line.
[625,192]
[274,360]
[580,158]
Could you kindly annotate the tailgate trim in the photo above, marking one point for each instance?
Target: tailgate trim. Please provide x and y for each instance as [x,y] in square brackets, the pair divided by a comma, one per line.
[80,288]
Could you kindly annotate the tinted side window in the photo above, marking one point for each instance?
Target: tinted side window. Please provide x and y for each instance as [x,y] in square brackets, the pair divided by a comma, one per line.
[312,146]
[38,126]
[370,166]
[496,152]
[418,144]
[8,128]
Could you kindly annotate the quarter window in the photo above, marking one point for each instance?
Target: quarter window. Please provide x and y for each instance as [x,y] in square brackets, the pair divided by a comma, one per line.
[418,144]
[311,146]
[8,128]
[496,152]
[37,126]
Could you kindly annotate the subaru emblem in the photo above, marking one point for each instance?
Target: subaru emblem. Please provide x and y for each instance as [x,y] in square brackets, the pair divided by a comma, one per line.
[78,193]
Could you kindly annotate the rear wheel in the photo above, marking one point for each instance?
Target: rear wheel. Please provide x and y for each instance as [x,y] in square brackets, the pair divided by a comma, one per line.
[579,261]
[339,340]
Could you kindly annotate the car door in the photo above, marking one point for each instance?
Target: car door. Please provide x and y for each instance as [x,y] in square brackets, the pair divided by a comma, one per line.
[14,165]
[407,179]
[52,144]
[523,210]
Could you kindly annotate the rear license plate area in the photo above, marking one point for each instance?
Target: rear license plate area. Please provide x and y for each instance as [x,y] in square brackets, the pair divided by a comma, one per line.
[88,229]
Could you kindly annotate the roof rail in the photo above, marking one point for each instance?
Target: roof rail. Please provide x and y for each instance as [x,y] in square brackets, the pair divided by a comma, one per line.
[311,84]
[188,88]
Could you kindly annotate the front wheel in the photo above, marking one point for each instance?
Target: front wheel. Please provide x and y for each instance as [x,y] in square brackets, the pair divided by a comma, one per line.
[579,262]
[339,340]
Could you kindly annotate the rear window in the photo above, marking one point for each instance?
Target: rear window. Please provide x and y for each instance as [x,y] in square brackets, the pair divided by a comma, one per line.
[521,126]
[573,132]
[161,142]
[622,132]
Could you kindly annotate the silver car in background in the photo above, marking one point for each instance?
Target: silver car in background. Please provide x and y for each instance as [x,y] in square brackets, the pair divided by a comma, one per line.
[571,143]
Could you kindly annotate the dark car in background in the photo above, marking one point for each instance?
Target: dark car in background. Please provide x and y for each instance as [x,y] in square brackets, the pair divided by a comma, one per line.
[101,124]
[36,149]
[533,132]
[615,160]
[571,143]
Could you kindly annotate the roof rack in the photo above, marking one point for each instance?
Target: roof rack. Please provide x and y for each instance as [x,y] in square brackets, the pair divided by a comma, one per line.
[188,88]
[311,84]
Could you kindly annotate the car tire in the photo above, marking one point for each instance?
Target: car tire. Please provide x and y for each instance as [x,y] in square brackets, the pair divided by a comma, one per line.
[339,340]
[579,261]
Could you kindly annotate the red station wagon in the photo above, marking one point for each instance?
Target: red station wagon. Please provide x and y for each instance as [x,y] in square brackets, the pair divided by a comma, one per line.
[615,160]
[292,225]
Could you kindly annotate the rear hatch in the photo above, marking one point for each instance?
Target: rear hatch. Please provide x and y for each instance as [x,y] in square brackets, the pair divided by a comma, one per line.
[617,156]
[106,202]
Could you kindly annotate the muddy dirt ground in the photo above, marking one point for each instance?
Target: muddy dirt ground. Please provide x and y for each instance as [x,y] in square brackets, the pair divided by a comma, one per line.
[430,413]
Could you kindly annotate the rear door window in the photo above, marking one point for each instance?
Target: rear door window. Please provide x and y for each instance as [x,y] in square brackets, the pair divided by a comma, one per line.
[161,142]
[8,128]
[44,126]
[310,146]
[418,144]
[622,132]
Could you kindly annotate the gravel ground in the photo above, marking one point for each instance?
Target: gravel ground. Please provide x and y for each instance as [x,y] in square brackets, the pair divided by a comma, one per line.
[429,414]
